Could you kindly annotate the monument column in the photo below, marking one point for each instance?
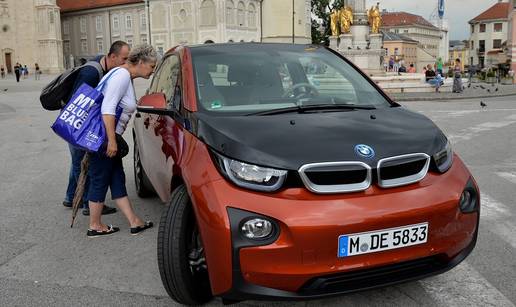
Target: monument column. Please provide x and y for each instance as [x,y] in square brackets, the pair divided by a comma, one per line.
[360,29]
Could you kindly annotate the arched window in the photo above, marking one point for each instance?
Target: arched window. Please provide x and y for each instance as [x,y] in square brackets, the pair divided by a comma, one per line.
[230,12]
[208,14]
[241,14]
[252,16]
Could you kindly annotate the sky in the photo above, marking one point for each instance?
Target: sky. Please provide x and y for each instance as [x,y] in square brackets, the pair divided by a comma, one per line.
[458,12]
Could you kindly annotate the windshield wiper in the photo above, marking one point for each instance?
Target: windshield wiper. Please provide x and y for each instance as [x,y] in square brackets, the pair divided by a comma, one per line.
[315,107]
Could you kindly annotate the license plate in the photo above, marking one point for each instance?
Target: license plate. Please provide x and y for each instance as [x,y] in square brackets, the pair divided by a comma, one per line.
[381,240]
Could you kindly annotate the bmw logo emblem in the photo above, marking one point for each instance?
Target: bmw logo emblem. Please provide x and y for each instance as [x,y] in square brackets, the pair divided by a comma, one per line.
[364,151]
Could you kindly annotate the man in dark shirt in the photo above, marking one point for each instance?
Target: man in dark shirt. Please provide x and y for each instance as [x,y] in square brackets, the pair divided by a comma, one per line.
[118,54]
[430,73]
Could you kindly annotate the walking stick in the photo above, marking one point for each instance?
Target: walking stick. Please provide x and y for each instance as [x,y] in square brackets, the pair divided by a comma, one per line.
[79,191]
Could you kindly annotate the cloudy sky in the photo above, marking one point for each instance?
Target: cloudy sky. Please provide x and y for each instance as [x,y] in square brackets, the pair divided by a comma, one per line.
[458,12]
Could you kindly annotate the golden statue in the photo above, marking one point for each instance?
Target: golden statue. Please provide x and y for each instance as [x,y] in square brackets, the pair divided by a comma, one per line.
[334,23]
[375,18]
[346,19]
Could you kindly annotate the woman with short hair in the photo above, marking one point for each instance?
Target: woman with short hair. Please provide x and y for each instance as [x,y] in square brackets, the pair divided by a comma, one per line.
[106,169]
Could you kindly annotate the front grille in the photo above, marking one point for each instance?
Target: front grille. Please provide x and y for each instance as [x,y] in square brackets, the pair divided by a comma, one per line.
[402,170]
[369,278]
[336,177]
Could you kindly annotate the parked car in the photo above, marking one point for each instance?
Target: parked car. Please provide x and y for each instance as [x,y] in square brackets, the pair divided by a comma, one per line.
[288,182]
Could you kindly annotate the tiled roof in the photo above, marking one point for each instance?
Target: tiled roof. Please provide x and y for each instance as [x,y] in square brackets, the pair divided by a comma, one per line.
[391,36]
[497,11]
[78,5]
[393,19]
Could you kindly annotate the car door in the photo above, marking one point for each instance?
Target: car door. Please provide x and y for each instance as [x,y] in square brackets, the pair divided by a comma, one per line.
[160,134]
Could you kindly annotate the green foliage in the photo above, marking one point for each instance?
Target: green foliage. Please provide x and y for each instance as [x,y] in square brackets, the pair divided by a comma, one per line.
[490,74]
[322,9]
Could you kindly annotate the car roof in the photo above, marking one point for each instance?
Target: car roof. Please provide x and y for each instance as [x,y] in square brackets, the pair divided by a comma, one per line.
[253,46]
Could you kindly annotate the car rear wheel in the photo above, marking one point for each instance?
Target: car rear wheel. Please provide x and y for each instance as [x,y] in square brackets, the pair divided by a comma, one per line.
[143,186]
[181,260]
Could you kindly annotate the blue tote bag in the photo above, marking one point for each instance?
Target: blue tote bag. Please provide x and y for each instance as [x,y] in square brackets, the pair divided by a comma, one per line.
[80,121]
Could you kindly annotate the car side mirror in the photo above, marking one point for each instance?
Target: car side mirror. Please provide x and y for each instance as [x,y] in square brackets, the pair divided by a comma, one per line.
[154,104]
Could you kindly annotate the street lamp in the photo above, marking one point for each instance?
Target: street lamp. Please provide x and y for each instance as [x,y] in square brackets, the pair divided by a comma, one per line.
[293,22]
[147,14]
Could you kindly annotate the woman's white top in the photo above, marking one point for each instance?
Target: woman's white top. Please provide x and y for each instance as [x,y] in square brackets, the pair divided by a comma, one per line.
[119,91]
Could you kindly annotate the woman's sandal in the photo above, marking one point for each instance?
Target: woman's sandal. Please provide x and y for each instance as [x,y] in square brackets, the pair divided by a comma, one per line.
[92,233]
[138,229]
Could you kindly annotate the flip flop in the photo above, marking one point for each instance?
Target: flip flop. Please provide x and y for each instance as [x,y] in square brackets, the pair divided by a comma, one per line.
[92,233]
[138,229]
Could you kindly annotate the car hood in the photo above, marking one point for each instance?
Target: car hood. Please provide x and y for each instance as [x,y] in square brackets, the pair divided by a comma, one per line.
[288,141]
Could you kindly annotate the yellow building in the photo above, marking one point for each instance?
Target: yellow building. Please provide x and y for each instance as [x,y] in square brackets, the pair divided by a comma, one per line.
[459,50]
[400,47]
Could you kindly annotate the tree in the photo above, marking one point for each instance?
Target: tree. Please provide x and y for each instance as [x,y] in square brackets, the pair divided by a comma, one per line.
[321,9]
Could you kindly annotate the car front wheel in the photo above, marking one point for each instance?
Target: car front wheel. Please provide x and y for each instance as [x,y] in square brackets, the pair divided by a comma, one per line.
[181,260]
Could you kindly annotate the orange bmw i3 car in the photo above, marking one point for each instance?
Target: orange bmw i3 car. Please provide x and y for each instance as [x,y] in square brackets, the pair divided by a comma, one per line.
[291,175]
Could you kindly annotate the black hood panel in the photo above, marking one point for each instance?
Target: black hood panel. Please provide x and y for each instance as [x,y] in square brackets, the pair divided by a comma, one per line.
[288,141]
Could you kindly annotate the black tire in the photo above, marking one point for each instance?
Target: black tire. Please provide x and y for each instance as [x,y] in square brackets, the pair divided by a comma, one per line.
[182,267]
[143,187]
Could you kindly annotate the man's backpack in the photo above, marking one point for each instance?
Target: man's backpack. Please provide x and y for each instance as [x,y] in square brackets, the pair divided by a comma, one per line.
[53,96]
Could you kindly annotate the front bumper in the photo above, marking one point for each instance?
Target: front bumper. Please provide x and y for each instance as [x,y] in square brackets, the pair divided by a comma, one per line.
[302,262]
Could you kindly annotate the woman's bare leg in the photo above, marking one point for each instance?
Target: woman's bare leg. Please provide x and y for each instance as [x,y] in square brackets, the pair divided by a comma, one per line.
[125,206]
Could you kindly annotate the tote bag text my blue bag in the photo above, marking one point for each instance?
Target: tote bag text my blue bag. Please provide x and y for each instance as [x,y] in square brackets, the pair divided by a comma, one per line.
[80,121]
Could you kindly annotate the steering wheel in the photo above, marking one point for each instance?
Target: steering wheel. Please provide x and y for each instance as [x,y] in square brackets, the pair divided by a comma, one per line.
[309,89]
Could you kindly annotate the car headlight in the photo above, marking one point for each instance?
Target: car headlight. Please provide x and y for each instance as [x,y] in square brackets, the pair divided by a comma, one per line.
[251,176]
[444,159]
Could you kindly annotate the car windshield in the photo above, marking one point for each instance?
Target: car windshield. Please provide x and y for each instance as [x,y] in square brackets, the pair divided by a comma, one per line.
[256,78]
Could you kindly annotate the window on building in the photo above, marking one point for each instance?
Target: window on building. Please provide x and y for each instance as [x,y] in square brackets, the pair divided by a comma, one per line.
[129,41]
[396,31]
[482,46]
[143,21]
[241,14]
[84,46]
[497,43]
[472,29]
[116,23]
[498,27]
[128,22]
[405,31]
[100,46]
[66,47]
[83,24]
[482,28]
[252,16]
[230,12]
[143,39]
[66,27]
[98,23]
[472,45]
[51,17]
[208,13]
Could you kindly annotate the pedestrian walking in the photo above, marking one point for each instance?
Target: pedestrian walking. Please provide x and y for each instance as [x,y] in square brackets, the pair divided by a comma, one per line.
[439,66]
[2,71]
[117,56]
[106,168]
[37,71]
[17,71]
[457,77]
[25,72]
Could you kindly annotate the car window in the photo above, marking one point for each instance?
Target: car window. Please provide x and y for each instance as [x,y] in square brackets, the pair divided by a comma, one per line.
[168,77]
[327,80]
[264,79]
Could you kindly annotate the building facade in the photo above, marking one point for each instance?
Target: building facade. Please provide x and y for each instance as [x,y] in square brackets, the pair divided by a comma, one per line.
[415,27]
[30,34]
[90,27]
[459,50]
[489,31]
[400,47]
